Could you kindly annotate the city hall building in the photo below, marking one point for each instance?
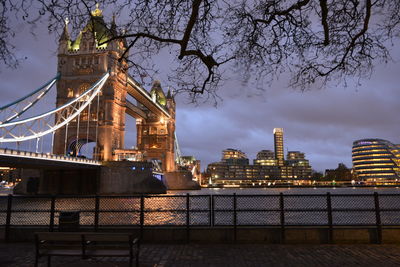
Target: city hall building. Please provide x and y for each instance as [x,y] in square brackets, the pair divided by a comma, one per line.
[376,160]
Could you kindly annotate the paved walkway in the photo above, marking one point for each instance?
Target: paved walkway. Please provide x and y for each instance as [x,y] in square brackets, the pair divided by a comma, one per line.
[209,255]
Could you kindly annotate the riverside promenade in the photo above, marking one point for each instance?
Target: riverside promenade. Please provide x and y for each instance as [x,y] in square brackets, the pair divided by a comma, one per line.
[210,255]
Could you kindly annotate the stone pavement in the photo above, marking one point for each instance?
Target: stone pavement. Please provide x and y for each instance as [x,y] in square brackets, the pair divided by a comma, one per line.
[209,255]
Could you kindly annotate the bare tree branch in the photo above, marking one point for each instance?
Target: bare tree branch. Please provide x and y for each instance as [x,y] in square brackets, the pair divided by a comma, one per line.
[313,41]
[324,20]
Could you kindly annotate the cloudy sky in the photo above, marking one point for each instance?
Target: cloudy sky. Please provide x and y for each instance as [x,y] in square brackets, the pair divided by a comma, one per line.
[322,123]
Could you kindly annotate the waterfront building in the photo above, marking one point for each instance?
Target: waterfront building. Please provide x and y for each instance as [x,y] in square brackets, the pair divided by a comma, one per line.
[376,160]
[265,157]
[9,175]
[278,141]
[268,167]
[193,165]
[300,166]
[234,156]
[341,173]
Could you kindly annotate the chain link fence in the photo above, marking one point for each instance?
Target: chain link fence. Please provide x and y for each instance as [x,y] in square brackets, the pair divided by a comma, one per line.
[281,210]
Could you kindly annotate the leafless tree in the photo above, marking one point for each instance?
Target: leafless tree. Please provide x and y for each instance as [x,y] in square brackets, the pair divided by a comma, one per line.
[315,41]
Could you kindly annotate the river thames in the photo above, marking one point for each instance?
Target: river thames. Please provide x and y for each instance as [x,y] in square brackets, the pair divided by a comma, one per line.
[272,190]
[290,190]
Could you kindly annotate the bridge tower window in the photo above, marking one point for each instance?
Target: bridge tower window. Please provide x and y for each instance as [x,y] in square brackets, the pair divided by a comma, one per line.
[70,92]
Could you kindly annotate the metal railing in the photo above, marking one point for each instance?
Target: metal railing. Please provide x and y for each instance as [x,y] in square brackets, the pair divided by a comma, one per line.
[189,211]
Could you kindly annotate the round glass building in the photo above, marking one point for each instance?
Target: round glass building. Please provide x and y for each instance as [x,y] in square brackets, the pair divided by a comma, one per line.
[376,160]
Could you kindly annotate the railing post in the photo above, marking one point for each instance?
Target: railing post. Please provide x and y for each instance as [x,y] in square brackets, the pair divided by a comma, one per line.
[211,209]
[187,217]
[378,219]
[234,218]
[141,216]
[8,218]
[330,218]
[96,213]
[52,213]
[282,213]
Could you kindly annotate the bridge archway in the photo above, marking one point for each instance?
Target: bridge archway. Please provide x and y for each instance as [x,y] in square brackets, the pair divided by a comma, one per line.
[82,147]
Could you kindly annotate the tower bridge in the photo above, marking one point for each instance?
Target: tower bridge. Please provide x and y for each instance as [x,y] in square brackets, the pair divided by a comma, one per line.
[91,106]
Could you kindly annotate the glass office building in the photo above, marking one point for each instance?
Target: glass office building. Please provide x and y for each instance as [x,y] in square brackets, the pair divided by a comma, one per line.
[376,160]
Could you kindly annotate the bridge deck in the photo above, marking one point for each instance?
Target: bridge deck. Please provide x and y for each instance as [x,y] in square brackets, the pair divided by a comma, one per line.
[141,95]
[16,158]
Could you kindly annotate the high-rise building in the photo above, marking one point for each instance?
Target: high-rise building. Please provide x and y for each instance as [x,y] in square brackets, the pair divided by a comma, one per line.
[278,142]
[234,167]
[376,160]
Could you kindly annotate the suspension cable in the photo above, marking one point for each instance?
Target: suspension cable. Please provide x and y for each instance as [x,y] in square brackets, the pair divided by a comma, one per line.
[52,142]
[97,127]
[66,137]
[77,135]
[87,130]
[41,145]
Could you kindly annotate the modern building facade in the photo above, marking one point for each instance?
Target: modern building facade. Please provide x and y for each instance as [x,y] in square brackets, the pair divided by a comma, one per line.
[278,141]
[376,160]
[234,157]
[268,167]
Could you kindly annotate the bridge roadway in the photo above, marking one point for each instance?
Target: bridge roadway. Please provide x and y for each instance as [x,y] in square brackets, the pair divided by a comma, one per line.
[142,96]
[25,159]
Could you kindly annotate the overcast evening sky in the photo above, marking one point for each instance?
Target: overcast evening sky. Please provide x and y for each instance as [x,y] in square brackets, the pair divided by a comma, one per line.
[322,123]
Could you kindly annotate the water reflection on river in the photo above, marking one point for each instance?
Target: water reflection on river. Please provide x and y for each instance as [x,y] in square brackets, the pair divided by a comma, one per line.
[290,190]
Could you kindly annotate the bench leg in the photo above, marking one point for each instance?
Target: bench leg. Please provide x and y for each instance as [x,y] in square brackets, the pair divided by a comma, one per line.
[36,261]
[137,255]
[48,261]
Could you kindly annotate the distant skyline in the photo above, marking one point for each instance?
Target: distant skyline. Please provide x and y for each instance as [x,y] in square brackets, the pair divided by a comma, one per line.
[322,123]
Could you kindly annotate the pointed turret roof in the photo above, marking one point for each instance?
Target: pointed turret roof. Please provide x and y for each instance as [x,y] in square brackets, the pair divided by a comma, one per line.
[97,26]
[113,27]
[158,92]
[97,12]
[65,34]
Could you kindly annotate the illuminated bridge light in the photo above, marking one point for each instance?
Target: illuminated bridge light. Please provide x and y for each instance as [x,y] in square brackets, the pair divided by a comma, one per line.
[376,159]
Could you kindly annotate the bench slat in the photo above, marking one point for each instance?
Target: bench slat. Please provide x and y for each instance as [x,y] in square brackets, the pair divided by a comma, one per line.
[107,253]
[61,252]
[107,237]
[51,236]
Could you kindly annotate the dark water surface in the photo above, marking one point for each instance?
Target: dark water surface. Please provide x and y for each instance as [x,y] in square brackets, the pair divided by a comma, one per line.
[290,190]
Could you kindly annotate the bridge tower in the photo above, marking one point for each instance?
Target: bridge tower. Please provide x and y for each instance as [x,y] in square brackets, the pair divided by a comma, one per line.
[156,134]
[81,63]
[84,61]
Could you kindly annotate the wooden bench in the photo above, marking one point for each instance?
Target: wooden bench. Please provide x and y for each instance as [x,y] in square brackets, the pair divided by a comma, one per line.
[86,245]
